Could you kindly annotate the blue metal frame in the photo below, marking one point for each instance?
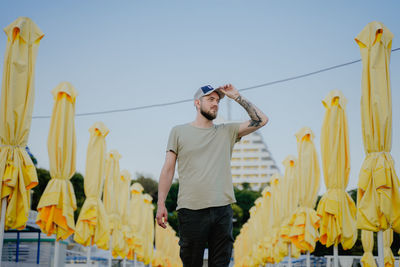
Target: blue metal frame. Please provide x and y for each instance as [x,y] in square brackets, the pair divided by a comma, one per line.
[38,250]
[17,253]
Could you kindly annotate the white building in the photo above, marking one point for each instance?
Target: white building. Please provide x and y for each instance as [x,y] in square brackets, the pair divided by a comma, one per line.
[252,162]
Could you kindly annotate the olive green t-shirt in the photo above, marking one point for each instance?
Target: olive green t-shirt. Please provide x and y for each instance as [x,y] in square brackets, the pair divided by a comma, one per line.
[204,170]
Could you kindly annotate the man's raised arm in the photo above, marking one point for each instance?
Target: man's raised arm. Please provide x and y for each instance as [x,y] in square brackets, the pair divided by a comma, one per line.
[257,118]
[166,176]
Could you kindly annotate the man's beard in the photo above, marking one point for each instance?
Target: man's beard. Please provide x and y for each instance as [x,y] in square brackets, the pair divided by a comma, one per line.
[208,115]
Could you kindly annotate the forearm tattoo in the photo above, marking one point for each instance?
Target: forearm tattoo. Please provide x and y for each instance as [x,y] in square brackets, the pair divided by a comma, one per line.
[251,110]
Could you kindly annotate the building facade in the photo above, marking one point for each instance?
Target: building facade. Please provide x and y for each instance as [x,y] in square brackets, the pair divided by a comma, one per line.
[252,162]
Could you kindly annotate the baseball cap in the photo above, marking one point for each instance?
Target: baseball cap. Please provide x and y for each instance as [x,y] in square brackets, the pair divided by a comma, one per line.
[206,90]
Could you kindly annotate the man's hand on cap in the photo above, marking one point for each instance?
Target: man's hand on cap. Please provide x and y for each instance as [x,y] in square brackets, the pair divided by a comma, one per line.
[229,90]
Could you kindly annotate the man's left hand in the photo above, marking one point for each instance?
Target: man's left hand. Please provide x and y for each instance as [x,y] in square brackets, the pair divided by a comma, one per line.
[229,90]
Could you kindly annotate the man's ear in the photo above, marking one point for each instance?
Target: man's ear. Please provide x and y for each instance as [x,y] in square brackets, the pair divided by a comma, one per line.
[197,103]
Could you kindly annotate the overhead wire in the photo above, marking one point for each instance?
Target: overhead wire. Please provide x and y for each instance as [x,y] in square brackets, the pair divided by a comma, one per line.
[191,99]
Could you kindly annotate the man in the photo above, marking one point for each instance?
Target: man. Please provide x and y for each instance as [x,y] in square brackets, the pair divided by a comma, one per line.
[203,151]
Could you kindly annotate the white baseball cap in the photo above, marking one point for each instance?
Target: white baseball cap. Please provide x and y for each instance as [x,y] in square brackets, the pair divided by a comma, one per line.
[206,90]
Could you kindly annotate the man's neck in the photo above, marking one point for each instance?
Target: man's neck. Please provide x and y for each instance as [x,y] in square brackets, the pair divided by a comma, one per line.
[202,122]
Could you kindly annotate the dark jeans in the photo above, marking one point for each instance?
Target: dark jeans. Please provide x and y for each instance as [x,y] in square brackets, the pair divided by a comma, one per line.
[199,227]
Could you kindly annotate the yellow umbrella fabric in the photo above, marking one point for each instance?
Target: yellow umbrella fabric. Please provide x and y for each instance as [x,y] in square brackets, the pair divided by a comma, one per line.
[167,248]
[57,203]
[289,186]
[160,240]
[289,189]
[135,208]
[17,170]
[367,240]
[304,222]
[123,194]
[378,199]
[387,242]
[93,225]
[111,200]
[336,208]
[263,206]
[290,201]
[146,231]
[257,248]
[110,191]
[279,249]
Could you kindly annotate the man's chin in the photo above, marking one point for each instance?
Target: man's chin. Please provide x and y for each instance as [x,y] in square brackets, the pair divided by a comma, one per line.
[209,116]
[214,116]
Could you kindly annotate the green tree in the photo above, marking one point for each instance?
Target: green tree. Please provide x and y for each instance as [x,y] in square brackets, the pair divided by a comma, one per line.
[77,183]
[37,191]
[237,219]
[172,198]
[150,186]
[353,194]
[245,200]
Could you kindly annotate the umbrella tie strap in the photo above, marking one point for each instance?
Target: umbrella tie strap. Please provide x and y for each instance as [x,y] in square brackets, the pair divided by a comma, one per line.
[12,146]
[377,153]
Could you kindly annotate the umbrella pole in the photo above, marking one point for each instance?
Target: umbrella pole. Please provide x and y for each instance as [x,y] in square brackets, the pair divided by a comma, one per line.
[124,262]
[110,257]
[2,222]
[381,259]
[308,259]
[56,253]
[134,263]
[88,254]
[335,256]
[290,254]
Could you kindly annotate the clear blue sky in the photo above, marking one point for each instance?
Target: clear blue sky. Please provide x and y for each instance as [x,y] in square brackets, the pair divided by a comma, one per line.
[122,54]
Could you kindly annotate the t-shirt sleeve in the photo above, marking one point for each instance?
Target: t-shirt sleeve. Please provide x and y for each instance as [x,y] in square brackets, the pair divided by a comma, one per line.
[173,141]
[234,131]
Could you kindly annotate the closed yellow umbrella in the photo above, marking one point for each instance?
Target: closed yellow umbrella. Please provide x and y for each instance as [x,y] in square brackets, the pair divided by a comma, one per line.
[173,251]
[367,240]
[387,242]
[289,186]
[238,250]
[135,207]
[289,190]
[17,171]
[241,249]
[378,199]
[57,203]
[160,241]
[123,194]
[146,230]
[336,208]
[304,222]
[252,237]
[112,172]
[267,224]
[111,200]
[166,247]
[93,225]
[276,216]
[290,201]
[259,229]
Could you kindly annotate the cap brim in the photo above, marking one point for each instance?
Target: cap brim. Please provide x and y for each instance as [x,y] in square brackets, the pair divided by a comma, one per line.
[218,91]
